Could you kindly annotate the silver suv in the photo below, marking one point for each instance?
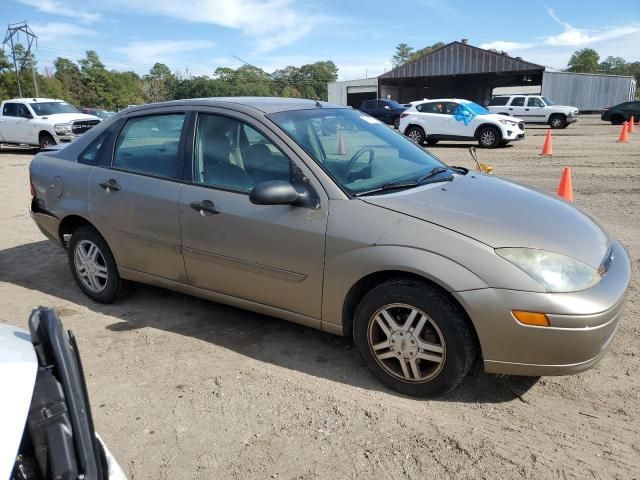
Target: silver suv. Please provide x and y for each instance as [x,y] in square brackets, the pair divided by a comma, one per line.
[534,109]
[356,231]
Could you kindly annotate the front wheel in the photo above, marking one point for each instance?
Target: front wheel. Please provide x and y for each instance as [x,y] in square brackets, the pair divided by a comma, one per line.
[416,135]
[489,137]
[414,338]
[617,120]
[557,121]
[46,141]
[93,266]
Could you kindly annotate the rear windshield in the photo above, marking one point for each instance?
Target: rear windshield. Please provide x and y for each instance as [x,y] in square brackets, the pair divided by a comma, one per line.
[496,101]
[51,108]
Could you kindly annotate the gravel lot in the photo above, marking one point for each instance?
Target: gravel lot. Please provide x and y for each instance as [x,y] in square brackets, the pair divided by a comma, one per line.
[185,388]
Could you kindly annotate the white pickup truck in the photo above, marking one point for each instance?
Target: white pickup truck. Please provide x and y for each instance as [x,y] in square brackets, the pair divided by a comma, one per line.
[42,121]
[534,109]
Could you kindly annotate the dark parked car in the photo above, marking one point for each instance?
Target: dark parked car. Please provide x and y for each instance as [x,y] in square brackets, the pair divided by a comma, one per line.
[387,111]
[621,113]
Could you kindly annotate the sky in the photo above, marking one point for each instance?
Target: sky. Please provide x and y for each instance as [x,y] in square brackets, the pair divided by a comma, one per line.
[359,36]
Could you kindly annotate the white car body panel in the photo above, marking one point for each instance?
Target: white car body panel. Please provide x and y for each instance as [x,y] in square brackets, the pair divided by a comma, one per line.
[534,109]
[18,369]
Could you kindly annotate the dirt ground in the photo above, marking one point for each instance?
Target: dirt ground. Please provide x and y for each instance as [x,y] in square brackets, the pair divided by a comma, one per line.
[184,388]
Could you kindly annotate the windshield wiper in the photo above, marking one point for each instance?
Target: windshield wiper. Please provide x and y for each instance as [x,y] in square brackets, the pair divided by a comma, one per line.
[398,185]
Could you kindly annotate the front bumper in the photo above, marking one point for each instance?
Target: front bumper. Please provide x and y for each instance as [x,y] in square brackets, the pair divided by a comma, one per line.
[572,118]
[512,133]
[65,138]
[582,324]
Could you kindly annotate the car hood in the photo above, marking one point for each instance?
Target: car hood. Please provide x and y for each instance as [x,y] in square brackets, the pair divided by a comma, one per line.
[498,117]
[18,368]
[502,213]
[68,117]
[565,108]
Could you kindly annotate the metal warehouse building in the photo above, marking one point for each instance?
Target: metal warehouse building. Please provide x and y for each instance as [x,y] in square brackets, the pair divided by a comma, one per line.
[460,70]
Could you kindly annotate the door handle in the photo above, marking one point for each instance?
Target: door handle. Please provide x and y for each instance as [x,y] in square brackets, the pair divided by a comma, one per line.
[510,108]
[205,206]
[111,185]
[526,109]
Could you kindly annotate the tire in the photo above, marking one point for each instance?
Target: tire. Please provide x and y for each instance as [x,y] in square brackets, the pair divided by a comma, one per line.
[416,134]
[432,141]
[557,120]
[46,141]
[427,372]
[489,137]
[396,122]
[617,120]
[504,143]
[102,282]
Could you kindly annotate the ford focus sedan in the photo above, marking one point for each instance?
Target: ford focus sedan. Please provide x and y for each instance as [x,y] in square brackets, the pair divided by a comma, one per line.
[356,231]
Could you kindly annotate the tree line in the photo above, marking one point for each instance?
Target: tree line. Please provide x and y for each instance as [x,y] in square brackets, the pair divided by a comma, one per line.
[89,83]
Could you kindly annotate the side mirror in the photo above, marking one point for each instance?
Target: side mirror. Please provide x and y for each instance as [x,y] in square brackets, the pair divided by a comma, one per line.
[277,192]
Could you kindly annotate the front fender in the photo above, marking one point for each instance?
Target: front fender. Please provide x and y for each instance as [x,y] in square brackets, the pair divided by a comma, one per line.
[343,271]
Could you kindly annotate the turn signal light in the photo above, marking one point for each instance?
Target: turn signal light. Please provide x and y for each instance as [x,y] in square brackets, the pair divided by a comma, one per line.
[531,318]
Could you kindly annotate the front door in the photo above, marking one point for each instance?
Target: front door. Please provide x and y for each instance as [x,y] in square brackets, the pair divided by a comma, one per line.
[137,195]
[269,254]
[15,123]
[535,110]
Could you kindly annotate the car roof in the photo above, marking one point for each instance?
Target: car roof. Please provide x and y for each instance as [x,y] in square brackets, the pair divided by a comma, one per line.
[459,100]
[264,104]
[36,99]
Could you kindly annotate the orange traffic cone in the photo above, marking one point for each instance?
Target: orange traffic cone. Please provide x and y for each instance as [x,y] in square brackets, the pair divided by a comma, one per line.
[341,148]
[547,148]
[624,134]
[632,126]
[565,190]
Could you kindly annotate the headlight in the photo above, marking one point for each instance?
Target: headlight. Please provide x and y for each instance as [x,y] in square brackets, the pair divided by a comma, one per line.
[62,128]
[555,272]
[508,123]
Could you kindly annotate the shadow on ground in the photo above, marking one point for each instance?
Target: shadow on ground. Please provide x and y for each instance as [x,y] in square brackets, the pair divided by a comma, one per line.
[42,266]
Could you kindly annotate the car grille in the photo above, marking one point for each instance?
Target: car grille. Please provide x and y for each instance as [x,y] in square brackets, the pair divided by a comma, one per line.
[81,126]
[521,125]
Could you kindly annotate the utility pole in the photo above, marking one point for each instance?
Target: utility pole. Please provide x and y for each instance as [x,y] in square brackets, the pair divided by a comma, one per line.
[12,38]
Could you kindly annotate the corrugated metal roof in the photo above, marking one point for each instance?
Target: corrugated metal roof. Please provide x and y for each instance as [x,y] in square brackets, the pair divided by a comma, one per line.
[458,58]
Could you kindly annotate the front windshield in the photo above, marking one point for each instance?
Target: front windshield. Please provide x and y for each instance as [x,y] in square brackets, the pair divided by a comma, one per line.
[359,152]
[51,108]
[547,101]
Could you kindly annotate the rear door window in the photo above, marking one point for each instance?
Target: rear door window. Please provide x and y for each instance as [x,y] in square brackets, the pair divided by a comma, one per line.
[149,145]
[517,102]
[10,110]
[497,101]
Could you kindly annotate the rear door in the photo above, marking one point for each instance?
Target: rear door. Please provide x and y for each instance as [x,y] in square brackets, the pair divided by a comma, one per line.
[136,195]
[516,108]
[430,117]
[14,122]
[269,254]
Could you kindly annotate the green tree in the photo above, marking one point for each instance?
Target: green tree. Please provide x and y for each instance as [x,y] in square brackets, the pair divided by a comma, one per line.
[584,61]
[613,65]
[402,55]
[159,83]
[425,51]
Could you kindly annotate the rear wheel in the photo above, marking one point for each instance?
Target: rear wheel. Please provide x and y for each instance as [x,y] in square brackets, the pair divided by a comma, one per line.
[489,137]
[413,338]
[557,121]
[416,135]
[93,267]
[46,141]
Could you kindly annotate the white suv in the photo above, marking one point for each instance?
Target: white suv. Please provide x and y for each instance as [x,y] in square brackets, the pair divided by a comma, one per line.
[454,119]
[534,109]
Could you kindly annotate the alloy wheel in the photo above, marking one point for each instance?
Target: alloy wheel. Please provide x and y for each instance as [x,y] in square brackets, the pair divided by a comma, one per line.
[90,266]
[415,136]
[488,137]
[406,343]
[556,122]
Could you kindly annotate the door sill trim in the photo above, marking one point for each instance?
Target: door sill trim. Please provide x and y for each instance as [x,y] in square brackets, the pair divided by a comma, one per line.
[136,276]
